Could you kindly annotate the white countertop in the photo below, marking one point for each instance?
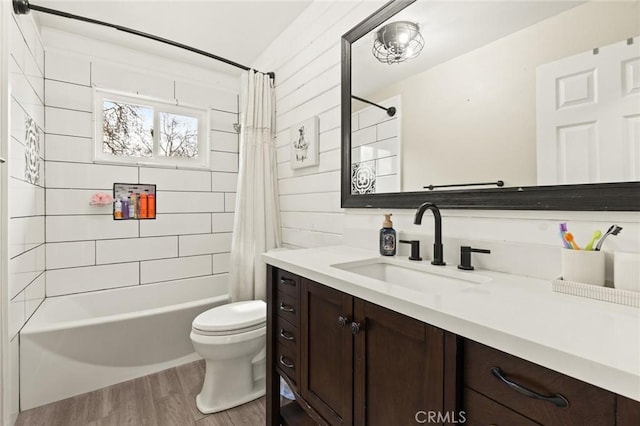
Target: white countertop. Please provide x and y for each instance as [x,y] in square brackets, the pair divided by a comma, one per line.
[594,341]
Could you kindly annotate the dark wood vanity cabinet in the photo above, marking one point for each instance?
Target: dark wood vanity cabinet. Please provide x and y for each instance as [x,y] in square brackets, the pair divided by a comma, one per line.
[351,362]
[357,363]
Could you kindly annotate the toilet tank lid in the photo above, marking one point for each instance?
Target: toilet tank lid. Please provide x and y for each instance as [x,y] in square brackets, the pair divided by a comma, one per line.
[233,316]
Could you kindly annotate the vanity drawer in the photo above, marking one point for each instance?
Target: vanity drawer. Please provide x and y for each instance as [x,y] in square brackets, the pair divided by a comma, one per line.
[628,412]
[287,282]
[286,332]
[482,411]
[287,360]
[587,404]
[287,307]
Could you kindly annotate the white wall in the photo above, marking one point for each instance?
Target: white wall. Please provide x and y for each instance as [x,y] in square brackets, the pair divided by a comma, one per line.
[86,249]
[306,60]
[26,236]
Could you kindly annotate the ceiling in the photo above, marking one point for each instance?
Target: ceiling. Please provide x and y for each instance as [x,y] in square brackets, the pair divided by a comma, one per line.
[238,30]
[450,29]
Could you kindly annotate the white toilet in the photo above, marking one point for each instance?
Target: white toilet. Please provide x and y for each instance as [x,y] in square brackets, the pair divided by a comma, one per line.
[232,340]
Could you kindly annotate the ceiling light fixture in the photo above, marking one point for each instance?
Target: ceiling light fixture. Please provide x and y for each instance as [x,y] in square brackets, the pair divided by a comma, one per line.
[398,42]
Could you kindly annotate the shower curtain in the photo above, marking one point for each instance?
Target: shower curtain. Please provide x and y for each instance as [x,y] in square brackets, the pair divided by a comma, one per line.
[256,226]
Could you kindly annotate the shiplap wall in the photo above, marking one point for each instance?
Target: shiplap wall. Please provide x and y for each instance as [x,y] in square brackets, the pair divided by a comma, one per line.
[306,59]
[26,201]
[86,249]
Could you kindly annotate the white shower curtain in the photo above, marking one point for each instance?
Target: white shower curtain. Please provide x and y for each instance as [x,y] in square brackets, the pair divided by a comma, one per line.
[256,226]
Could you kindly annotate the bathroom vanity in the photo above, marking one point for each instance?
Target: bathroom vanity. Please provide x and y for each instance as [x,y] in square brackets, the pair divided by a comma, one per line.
[468,347]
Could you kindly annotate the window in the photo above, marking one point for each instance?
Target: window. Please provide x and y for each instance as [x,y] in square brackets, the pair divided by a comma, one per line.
[132,129]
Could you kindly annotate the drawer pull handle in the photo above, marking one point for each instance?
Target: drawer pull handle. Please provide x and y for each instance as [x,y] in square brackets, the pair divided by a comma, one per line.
[287,281]
[286,335]
[557,399]
[285,363]
[286,308]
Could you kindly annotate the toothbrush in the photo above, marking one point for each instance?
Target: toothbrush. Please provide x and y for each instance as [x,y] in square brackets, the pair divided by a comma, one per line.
[613,230]
[596,235]
[563,230]
[569,237]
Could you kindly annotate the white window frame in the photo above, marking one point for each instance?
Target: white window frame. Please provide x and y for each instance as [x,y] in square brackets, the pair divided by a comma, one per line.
[158,105]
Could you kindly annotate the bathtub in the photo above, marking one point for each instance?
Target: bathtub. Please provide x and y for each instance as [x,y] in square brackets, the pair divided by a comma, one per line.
[82,342]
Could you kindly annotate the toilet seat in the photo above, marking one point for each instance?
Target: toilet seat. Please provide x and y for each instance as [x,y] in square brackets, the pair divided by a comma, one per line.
[233,318]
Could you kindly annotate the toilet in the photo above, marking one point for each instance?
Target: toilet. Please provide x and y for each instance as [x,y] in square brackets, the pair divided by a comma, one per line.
[232,340]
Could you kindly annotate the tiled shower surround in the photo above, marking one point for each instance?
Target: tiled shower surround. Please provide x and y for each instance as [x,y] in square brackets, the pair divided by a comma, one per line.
[59,243]
[86,249]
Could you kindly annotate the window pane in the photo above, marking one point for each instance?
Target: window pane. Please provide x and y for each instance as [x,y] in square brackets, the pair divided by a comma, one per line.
[178,136]
[127,129]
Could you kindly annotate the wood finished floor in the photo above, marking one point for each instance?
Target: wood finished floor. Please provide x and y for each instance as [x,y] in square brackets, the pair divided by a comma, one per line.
[166,398]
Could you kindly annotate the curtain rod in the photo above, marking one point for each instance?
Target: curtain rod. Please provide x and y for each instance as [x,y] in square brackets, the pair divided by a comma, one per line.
[22,7]
[391,111]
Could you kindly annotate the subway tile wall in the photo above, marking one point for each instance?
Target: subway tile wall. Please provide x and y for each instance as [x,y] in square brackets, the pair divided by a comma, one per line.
[375,143]
[191,237]
[26,200]
[26,237]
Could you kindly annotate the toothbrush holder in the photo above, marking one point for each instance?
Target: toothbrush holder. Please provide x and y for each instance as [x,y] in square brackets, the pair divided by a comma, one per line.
[583,266]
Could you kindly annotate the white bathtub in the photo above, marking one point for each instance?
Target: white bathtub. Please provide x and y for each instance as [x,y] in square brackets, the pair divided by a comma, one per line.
[82,342]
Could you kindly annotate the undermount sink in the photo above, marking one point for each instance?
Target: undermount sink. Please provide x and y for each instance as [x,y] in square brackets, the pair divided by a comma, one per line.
[419,276]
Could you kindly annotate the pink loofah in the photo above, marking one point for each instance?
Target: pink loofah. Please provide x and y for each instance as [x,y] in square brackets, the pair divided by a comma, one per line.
[100,199]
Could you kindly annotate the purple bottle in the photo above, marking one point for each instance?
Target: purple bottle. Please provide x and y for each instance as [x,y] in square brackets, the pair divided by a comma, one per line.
[125,208]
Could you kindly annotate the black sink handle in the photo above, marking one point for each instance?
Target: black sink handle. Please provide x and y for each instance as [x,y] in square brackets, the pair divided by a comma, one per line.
[557,399]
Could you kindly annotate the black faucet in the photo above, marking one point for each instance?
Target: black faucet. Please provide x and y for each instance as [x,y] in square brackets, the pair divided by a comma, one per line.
[437,244]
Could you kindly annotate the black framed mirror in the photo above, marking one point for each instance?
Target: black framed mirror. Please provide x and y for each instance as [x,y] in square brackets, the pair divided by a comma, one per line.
[613,194]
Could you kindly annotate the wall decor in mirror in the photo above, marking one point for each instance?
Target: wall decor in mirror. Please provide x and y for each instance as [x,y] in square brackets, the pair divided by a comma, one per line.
[498,105]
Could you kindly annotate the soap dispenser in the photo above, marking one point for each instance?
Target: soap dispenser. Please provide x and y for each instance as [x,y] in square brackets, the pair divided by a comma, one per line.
[387,237]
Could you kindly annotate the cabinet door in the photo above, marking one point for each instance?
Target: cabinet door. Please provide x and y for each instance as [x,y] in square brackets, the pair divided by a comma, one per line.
[398,367]
[326,381]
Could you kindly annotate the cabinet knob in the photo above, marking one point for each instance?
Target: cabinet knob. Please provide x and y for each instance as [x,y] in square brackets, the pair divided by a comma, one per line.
[355,328]
[342,321]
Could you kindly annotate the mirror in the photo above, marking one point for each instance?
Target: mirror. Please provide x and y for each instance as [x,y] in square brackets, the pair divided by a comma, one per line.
[510,94]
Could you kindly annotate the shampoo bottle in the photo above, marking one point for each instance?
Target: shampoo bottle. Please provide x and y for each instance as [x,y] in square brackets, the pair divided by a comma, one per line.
[142,201]
[387,237]
[125,208]
[132,207]
[151,206]
[117,210]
